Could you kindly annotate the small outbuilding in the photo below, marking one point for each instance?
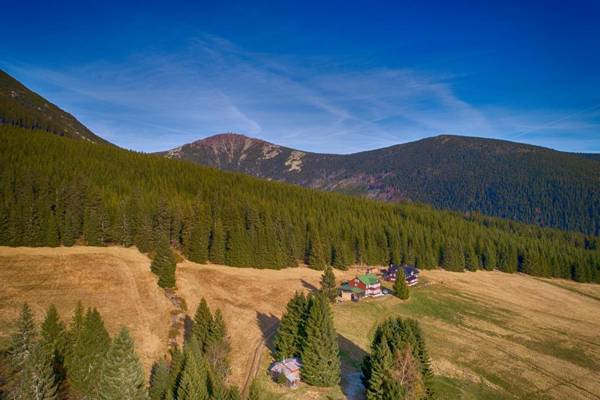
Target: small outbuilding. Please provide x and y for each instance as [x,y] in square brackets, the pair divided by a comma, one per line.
[288,369]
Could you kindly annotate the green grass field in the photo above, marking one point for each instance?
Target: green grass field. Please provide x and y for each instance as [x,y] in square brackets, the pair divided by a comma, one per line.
[490,336]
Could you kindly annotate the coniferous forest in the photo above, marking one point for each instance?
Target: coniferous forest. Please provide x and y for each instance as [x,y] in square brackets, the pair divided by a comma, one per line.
[79,360]
[56,191]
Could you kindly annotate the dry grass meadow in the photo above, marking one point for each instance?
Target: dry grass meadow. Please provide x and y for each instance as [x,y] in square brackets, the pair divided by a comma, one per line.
[115,280]
[491,335]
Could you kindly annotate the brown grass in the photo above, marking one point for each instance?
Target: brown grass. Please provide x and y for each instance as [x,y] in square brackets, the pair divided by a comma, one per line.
[251,300]
[498,335]
[491,335]
[115,280]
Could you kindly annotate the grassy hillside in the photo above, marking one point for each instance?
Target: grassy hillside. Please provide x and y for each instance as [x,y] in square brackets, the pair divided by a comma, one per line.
[495,336]
[58,191]
[490,335]
[21,107]
[494,177]
[115,280]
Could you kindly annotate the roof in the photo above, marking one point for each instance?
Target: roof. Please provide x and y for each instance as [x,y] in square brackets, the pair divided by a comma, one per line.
[290,367]
[368,279]
[408,269]
[347,288]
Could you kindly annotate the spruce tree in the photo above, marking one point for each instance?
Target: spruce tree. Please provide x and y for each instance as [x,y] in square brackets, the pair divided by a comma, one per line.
[175,370]
[453,258]
[290,333]
[23,341]
[380,363]
[216,250]
[36,379]
[328,285]
[194,374]
[320,354]
[198,242]
[164,264]
[53,339]
[84,361]
[401,290]
[315,256]
[203,322]
[217,346]
[53,334]
[159,380]
[122,372]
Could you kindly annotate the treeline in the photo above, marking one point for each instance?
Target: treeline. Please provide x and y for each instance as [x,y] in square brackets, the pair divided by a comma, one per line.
[57,191]
[398,365]
[201,369]
[80,361]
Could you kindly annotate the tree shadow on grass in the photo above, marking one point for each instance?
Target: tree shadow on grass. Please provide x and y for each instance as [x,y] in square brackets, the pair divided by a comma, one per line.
[309,285]
[351,357]
[268,324]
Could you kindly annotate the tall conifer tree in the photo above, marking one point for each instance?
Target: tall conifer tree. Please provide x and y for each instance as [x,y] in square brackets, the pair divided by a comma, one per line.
[122,372]
[328,285]
[320,353]
[36,380]
[401,290]
[23,341]
[84,361]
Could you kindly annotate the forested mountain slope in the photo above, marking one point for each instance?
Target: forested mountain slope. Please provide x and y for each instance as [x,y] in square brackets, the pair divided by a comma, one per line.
[497,178]
[21,107]
[60,191]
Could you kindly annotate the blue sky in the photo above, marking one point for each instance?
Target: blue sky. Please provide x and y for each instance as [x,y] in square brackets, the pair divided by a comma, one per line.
[338,77]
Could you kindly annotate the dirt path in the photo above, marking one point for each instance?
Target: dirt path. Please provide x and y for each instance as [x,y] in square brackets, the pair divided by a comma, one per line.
[257,359]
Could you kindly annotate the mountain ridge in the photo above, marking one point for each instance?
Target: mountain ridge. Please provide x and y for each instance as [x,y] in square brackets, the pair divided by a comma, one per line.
[21,107]
[495,177]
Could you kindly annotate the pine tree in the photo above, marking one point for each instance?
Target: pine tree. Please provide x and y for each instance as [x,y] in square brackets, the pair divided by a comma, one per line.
[164,264]
[36,380]
[198,247]
[53,332]
[453,258]
[23,341]
[320,354]
[218,347]
[380,363]
[85,359]
[203,321]
[401,290]
[328,285]
[315,257]
[122,375]
[175,370]
[216,250]
[159,380]
[53,339]
[290,333]
[194,374]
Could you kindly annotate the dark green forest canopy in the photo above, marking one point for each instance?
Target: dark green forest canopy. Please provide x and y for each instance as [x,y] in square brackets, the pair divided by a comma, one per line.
[60,191]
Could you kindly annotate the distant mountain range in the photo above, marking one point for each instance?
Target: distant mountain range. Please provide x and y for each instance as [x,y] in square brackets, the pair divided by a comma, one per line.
[494,177]
[21,107]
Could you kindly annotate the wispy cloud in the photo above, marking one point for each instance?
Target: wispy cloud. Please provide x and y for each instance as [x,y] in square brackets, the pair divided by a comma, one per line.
[155,101]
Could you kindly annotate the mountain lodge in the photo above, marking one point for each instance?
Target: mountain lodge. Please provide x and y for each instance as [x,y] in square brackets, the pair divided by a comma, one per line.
[411,273]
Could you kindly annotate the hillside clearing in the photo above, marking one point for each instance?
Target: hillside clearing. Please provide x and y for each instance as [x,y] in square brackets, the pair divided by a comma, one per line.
[115,280]
[490,335]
